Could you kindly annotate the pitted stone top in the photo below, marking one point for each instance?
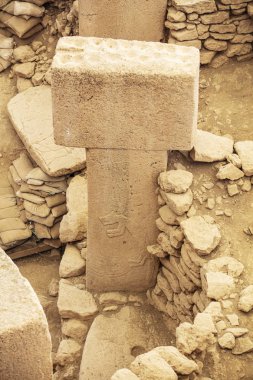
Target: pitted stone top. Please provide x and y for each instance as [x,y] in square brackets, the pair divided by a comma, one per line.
[118,94]
[109,55]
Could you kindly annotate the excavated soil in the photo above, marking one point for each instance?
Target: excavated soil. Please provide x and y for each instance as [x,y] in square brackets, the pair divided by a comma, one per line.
[226,99]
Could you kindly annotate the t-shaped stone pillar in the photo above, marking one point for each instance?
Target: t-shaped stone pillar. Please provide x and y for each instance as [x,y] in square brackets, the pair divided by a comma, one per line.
[128,102]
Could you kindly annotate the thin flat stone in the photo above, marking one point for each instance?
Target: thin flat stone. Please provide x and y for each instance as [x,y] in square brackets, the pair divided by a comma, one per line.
[31,116]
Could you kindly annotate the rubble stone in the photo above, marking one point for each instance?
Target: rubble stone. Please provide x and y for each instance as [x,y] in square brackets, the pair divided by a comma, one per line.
[244,149]
[227,341]
[229,171]
[218,285]
[175,181]
[242,346]
[225,264]
[179,362]
[190,338]
[68,352]
[197,6]
[202,236]
[179,203]
[209,147]
[246,299]
[75,329]
[72,264]
[204,320]
[75,303]
[152,366]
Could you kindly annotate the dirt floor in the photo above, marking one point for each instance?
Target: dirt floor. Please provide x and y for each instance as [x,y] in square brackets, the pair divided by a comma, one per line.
[226,99]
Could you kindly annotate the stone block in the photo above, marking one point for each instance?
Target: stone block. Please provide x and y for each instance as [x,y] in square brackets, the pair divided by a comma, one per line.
[119,209]
[25,342]
[126,19]
[124,94]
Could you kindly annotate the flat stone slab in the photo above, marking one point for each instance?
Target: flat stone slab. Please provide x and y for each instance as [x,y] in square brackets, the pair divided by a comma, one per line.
[31,116]
[114,341]
[25,342]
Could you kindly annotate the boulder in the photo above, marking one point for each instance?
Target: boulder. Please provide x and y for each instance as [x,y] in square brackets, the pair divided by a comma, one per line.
[175,181]
[218,285]
[179,203]
[190,338]
[179,362]
[75,303]
[209,147]
[202,235]
[151,366]
[72,264]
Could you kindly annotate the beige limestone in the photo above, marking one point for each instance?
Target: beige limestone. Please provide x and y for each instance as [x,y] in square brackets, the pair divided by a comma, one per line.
[72,264]
[180,363]
[24,334]
[198,6]
[112,341]
[124,19]
[74,224]
[117,240]
[244,149]
[124,374]
[131,70]
[34,125]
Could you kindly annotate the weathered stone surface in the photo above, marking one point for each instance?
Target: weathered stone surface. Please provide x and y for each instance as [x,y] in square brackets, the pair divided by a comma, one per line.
[225,264]
[245,26]
[169,217]
[202,235]
[238,49]
[215,18]
[122,19]
[205,320]
[53,288]
[68,352]
[175,181]
[242,346]
[206,56]
[227,341]
[152,366]
[72,264]
[244,149]
[215,45]
[185,34]
[75,303]
[237,331]
[230,28]
[75,329]
[24,70]
[246,299]
[124,374]
[198,6]
[23,84]
[250,9]
[229,171]
[112,341]
[174,15]
[74,224]
[24,334]
[214,309]
[190,337]
[209,147]
[112,298]
[84,126]
[178,203]
[34,126]
[218,285]
[179,362]
[23,53]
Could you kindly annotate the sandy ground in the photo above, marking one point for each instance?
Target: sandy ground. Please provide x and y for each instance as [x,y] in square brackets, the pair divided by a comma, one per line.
[225,108]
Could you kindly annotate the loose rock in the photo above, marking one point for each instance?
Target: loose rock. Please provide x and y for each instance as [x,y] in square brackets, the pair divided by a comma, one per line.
[175,181]
[246,299]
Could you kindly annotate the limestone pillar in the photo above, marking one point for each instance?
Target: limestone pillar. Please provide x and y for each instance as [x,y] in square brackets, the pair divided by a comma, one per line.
[125,19]
[128,102]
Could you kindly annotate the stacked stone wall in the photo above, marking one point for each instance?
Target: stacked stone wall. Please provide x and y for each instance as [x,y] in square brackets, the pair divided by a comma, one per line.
[220,29]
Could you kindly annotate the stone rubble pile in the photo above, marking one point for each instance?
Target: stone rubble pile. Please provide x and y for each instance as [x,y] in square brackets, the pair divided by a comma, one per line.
[41,199]
[221,29]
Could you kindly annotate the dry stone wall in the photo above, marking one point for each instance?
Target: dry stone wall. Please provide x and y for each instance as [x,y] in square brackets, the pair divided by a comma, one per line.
[221,29]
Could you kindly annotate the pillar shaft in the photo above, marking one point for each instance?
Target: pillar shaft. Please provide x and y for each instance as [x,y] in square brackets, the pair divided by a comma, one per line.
[122,211]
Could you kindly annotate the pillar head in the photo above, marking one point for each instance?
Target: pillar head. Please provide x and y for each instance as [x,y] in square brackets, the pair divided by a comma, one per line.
[118,94]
